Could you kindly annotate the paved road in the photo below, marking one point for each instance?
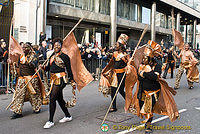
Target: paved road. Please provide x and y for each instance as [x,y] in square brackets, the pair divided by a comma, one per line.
[90,109]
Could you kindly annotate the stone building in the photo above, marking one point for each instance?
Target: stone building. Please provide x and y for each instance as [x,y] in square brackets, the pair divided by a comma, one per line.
[106,19]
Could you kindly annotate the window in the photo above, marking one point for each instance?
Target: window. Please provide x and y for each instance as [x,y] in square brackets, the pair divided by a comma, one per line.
[104,7]
[83,4]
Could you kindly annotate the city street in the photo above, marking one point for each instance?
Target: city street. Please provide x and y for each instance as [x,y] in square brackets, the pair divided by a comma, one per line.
[91,108]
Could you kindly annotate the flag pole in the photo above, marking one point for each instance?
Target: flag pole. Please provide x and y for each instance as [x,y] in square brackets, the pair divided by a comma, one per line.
[143,33]
[173,31]
[8,71]
[172,13]
[173,28]
[14,99]
[73,28]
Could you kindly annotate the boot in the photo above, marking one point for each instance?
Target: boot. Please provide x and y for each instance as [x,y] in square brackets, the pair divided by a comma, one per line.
[15,116]
[36,112]
[148,127]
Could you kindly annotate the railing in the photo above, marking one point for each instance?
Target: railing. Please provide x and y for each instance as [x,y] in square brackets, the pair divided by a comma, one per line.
[3,74]
[94,66]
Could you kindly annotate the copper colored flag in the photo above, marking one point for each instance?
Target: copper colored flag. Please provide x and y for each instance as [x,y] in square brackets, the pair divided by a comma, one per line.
[131,76]
[15,50]
[137,58]
[178,39]
[81,75]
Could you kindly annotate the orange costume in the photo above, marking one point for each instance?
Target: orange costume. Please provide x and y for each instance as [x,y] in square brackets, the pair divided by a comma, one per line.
[153,94]
[188,63]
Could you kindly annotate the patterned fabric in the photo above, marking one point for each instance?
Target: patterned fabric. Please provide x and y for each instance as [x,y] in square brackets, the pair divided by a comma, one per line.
[29,58]
[27,64]
[71,103]
[35,99]
[148,100]
[58,61]
[179,75]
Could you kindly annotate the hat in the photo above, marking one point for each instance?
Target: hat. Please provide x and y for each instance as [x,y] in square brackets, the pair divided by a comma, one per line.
[123,39]
[151,48]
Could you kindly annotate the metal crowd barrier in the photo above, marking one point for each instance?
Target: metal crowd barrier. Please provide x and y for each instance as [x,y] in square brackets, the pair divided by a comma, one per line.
[3,74]
[94,66]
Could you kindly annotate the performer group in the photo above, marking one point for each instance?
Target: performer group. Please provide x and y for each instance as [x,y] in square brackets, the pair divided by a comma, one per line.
[122,73]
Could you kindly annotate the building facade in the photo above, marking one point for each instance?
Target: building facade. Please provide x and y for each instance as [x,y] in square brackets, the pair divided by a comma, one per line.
[195,4]
[105,19]
[6,14]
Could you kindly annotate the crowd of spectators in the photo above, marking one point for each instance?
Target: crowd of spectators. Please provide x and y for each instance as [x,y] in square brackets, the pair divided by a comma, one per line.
[96,57]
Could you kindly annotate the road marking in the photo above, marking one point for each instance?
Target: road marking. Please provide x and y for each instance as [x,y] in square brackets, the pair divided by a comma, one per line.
[197,108]
[154,121]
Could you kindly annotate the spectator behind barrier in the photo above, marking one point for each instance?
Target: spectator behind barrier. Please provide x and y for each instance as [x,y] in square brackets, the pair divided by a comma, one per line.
[42,37]
[43,50]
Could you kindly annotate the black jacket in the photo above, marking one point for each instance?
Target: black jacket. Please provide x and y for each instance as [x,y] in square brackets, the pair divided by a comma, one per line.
[53,68]
[149,83]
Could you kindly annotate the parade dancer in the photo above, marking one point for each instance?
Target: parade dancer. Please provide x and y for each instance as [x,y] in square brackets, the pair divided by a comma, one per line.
[58,64]
[26,66]
[188,63]
[170,63]
[152,94]
[116,67]
[158,59]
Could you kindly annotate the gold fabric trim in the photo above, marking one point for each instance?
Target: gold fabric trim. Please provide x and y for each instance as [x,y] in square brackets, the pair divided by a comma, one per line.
[147,98]
[147,106]
[59,62]
[192,71]
[114,80]
[29,86]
